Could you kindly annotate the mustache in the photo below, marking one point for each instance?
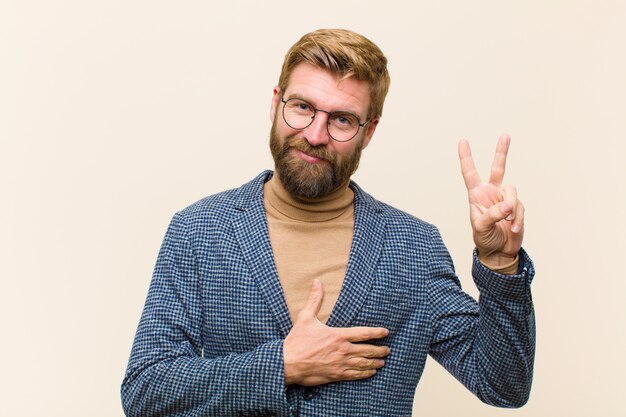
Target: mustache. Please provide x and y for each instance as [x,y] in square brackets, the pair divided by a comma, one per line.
[302,145]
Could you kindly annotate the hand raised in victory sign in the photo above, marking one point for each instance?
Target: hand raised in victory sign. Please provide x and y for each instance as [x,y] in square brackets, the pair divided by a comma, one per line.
[496,215]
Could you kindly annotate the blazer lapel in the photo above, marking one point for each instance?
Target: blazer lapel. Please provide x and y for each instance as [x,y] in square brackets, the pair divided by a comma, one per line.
[252,234]
[367,243]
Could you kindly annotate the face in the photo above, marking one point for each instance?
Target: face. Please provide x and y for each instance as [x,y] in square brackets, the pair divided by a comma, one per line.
[308,162]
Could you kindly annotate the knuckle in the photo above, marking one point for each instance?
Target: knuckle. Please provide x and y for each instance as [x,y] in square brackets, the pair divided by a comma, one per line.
[352,363]
[348,374]
[364,363]
[334,337]
[343,348]
[354,374]
[314,298]
[337,374]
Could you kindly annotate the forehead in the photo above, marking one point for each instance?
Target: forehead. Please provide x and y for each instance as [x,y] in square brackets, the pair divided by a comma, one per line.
[328,91]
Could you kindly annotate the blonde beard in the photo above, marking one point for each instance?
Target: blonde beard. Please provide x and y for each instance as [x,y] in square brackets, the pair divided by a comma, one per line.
[306,180]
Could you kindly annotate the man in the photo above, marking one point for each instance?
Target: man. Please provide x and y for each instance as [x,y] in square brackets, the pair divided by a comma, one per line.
[298,294]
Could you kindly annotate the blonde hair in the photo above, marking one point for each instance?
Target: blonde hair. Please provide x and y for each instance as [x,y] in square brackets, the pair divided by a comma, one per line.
[345,54]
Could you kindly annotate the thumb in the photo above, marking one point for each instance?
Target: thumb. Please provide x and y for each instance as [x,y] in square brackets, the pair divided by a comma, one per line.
[314,302]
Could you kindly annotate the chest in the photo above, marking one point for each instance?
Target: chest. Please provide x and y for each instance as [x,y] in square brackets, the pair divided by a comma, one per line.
[306,251]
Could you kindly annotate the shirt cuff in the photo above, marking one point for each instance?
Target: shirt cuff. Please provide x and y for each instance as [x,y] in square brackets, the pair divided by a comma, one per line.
[511,268]
[502,285]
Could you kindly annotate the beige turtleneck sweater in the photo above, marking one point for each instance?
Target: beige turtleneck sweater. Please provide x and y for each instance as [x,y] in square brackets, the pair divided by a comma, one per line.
[310,239]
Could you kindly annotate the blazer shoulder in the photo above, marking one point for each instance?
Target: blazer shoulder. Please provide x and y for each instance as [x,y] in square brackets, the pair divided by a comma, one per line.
[394,218]
[224,205]
[408,228]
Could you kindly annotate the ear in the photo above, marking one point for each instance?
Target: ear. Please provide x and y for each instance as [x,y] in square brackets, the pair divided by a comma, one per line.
[369,132]
[275,101]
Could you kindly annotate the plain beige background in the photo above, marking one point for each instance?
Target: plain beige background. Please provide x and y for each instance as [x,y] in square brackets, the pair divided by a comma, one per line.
[115,114]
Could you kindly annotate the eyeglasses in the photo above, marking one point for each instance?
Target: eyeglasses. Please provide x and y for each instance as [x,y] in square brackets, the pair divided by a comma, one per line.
[342,126]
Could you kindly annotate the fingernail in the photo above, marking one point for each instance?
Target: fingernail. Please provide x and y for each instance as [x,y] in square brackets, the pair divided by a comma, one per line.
[316,283]
[515,228]
[510,217]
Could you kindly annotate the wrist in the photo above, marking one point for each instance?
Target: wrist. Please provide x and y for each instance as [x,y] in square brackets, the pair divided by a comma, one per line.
[500,262]
[288,379]
[293,373]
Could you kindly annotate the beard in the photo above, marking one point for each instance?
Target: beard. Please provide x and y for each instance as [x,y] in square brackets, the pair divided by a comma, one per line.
[307,180]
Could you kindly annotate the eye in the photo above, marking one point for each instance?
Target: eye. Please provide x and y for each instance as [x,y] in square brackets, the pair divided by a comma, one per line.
[344,120]
[299,106]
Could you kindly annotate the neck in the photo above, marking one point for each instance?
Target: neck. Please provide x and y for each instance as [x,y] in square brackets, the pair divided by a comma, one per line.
[323,208]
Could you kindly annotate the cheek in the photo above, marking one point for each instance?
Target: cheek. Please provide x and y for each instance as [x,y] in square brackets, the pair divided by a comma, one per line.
[344,149]
[283,128]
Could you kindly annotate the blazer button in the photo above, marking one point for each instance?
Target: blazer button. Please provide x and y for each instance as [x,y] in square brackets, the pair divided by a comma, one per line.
[307,394]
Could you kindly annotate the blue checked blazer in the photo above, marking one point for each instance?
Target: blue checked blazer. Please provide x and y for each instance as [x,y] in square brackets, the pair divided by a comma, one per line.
[209,342]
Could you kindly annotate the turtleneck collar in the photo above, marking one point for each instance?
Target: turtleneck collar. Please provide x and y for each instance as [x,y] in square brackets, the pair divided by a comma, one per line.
[320,209]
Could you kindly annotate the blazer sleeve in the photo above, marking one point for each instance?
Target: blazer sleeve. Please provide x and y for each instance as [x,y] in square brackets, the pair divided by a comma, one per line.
[167,373]
[489,346]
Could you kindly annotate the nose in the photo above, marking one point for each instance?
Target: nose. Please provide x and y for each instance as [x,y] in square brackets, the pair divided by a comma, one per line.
[317,132]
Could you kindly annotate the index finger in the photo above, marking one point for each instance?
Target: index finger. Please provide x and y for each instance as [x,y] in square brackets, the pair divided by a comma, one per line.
[362,334]
[499,160]
[468,169]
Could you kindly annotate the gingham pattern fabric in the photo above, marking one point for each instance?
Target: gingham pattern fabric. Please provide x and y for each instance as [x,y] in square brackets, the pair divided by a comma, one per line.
[209,341]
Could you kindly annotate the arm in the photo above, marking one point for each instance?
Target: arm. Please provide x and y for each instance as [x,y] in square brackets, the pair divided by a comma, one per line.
[167,374]
[488,346]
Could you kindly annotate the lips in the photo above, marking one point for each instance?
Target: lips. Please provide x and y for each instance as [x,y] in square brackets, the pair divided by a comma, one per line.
[308,158]
[310,154]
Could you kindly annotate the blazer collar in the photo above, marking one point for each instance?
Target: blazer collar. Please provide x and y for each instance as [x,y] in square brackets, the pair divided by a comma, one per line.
[367,242]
